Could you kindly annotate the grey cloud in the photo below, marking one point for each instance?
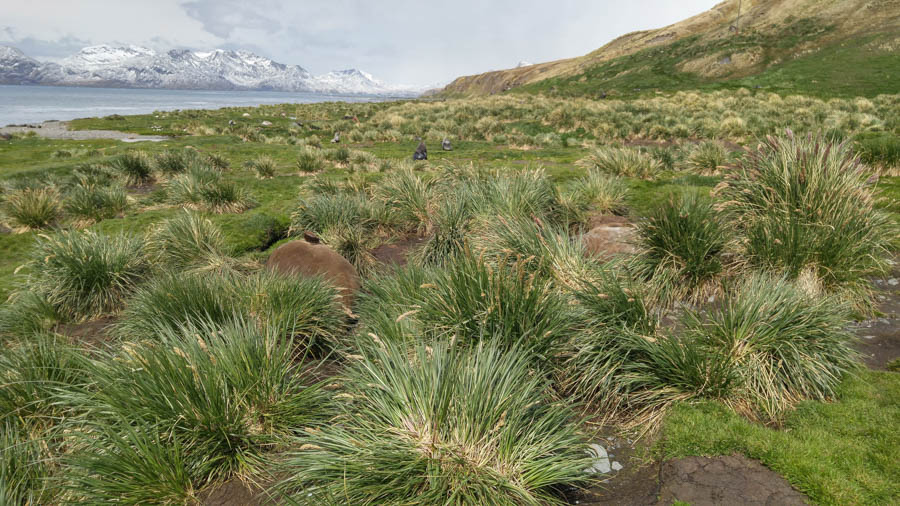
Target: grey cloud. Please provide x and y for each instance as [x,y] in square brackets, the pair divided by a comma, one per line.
[44,49]
[400,41]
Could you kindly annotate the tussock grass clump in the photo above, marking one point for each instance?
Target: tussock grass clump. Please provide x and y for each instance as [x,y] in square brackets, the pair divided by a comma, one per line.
[186,188]
[708,158]
[785,345]
[217,161]
[226,197]
[552,251]
[449,225]
[36,371]
[594,192]
[174,300]
[134,167]
[470,301]
[188,241]
[682,247]
[24,473]
[528,193]
[88,175]
[340,155]
[310,160]
[409,197]
[615,299]
[124,461]
[26,313]
[444,425]
[86,274]
[96,203]
[264,166]
[804,205]
[205,188]
[880,151]
[319,213]
[303,310]
[622,162]
[170,163]
[32,209]
[207,402]
[348,223]
[768,346]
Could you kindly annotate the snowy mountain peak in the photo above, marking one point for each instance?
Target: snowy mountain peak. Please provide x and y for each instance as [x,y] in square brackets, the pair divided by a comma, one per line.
[218,69]
[10,53]
[107,55]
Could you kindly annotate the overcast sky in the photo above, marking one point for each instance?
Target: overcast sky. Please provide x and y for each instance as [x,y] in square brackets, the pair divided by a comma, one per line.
[399,41]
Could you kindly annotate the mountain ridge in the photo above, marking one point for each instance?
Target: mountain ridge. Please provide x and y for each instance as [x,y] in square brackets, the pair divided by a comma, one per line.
[140,67]
[719,45]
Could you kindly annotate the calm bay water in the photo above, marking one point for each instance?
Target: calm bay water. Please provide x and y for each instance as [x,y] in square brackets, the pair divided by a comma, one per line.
[34,104]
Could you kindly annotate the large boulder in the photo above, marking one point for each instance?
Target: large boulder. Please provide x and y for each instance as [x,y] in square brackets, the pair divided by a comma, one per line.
[610,236]
[307,259]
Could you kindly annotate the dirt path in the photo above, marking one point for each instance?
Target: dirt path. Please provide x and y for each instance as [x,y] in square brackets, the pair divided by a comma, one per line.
[879,338]
[60,130]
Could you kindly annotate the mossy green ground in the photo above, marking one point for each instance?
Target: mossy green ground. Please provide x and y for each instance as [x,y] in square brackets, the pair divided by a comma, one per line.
[845,452]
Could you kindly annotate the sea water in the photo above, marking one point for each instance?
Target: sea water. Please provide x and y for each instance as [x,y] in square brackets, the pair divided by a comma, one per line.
[35,104]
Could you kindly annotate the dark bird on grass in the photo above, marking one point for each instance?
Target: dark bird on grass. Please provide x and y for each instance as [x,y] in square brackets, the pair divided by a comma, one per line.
[421,151]
[446,145]
[337,138]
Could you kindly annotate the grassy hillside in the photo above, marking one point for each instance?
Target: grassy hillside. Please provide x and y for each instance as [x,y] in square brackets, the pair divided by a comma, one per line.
[819,48]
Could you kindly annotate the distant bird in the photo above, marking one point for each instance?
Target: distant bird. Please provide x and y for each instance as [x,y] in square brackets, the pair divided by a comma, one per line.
[337,138]
[421,151]
[231,122]
[446,145]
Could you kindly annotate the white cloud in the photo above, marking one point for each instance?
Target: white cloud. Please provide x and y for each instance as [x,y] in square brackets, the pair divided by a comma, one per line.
[405,41]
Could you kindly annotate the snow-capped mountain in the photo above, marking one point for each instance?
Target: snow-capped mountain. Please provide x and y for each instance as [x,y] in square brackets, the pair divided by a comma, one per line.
[140,67]
[15,67]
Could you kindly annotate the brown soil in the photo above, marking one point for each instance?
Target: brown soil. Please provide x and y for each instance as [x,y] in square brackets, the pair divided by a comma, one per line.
[699,481]
[609,236]
[397,253]
[92,334]
[234,492]
[879,338]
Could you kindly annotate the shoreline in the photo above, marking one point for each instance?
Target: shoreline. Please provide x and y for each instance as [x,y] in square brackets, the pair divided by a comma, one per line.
[60,130]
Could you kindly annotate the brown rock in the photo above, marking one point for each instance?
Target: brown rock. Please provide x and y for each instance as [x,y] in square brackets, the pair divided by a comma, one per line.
[614,238]
[305,259]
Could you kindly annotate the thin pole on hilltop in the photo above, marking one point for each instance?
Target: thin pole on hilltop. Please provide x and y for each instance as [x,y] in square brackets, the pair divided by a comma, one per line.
[737,23]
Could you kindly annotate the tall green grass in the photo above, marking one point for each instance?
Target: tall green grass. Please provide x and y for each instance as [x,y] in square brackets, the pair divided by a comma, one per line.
[804,206]
[200,404]
[133,167]
[622,162]
[188,241]
[441,424]
[87,274]
[32,209]
[682,247]
[766,347]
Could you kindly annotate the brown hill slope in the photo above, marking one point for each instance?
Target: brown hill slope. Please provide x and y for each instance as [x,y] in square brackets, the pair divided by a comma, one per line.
[824,22]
